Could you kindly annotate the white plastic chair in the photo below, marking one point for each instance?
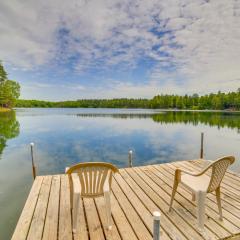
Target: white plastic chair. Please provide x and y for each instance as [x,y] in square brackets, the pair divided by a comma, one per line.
[90,180]
[200,184]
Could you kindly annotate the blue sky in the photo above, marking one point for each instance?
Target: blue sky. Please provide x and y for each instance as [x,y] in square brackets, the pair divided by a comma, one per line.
[120,48]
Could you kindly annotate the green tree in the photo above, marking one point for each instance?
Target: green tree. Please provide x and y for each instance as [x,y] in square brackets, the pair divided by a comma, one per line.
[9,93]
[9,90]
[3,73]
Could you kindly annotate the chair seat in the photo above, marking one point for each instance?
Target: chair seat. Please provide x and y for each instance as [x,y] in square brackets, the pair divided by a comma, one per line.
[200,184]
[196,184]
[90,180]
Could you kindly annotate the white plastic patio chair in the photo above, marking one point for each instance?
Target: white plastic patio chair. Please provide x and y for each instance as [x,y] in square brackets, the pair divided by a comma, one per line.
[90,180]
[200,184]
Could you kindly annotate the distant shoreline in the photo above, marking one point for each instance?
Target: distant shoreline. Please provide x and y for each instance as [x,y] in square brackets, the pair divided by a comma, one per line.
[154,109]
[225,102]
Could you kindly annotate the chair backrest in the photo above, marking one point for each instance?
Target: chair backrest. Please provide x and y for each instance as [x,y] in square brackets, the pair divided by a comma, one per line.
[93,176]
[219,167]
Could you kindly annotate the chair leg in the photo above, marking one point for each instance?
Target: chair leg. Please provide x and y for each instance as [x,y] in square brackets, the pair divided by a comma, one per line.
[201,196]
[218,196]
[108,209]
[175,185]
[71,191]
[193,197]
[76,200]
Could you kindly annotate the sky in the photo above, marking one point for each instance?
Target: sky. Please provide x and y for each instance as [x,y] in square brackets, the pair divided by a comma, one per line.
[75,49]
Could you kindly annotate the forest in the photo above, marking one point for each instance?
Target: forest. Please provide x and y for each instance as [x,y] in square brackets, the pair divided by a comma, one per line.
[214,101]
[10,92]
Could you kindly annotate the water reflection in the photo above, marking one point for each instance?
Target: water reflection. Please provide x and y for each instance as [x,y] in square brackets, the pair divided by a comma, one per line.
[219,119]
[9,128]
[66,136]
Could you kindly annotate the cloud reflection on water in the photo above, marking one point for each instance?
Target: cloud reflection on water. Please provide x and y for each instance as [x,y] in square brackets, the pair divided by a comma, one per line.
[62,138]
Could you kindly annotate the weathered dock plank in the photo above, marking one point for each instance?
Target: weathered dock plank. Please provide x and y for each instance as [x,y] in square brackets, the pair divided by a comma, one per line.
[136,193]
[65,219]
[25,219]
[39,216]
[125,230]
[51,223]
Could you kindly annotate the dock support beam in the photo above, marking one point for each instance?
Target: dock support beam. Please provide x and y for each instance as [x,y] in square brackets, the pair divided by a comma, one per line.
[33,165]
[201,150]
[156,225]
[130,158]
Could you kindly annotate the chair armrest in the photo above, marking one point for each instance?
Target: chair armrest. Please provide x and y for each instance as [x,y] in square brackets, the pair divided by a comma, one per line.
[189,172]
[192,173]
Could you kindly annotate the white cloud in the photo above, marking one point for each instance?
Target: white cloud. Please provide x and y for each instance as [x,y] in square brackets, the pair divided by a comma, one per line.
[198,40]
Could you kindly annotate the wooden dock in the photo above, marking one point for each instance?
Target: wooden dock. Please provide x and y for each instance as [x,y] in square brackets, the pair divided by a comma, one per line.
[136,193]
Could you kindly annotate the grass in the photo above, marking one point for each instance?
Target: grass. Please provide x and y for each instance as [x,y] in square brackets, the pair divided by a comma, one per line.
[4,109]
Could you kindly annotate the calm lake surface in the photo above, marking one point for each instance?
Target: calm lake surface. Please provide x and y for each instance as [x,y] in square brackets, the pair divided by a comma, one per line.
[66,136]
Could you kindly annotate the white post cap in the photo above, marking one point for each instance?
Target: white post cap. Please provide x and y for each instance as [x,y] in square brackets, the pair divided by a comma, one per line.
[156,215]
[130,151]
[31,144]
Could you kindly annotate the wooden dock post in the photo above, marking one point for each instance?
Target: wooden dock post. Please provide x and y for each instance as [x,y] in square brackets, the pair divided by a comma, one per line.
[33,165]
[201,150]
[130,158]
[156,225]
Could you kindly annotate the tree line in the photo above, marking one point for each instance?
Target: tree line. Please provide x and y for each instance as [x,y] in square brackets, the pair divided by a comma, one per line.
[9,90]
[213,101]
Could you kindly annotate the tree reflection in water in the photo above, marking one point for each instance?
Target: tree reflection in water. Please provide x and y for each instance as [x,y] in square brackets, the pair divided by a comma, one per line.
[211,118]
[9,128]
[219,119]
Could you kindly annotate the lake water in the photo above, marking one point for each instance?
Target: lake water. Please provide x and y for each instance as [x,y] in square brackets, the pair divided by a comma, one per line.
[66,136]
